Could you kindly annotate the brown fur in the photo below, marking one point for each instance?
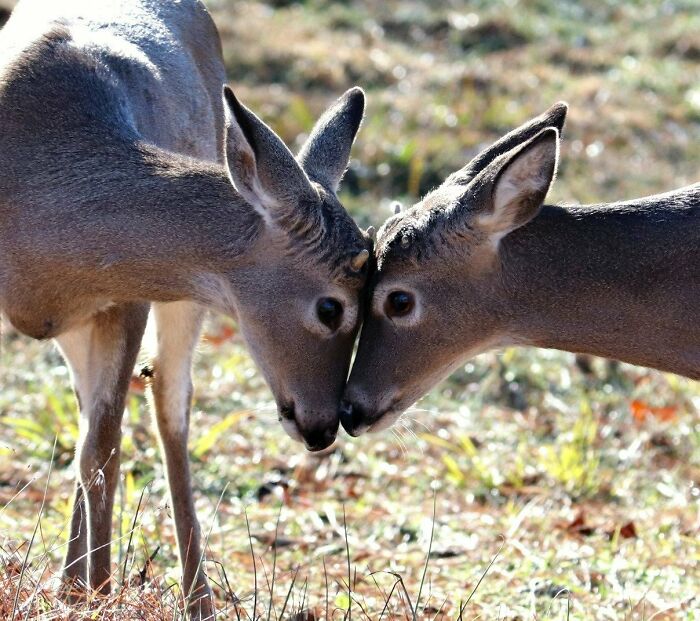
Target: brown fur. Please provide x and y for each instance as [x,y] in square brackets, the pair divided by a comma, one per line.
[490,267]
[115,191]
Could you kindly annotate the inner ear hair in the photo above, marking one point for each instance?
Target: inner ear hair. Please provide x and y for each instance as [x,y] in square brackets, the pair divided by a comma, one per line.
[521,183]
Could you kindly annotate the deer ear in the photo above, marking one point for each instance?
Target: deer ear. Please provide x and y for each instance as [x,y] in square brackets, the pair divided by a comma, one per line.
[326,153]
[520,185]
[555,117]
[260,165]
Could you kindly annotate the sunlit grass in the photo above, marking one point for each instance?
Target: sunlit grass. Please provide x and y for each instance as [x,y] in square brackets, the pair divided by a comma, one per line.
[523,448]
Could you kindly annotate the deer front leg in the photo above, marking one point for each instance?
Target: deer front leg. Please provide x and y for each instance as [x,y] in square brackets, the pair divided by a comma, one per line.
[101,355]
[75,564]
[178,327]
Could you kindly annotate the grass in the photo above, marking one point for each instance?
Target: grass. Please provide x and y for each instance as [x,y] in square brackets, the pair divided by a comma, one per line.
[575,483]
[580,495]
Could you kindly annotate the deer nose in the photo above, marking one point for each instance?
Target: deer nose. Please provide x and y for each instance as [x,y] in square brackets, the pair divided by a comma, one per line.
[318,439]
[315,438]
[288,411]
[353,418]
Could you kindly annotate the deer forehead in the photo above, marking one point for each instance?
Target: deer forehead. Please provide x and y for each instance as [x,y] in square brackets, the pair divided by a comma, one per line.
[417,233]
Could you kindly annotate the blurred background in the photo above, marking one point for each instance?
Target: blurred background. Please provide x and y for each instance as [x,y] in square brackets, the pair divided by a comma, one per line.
[577,478]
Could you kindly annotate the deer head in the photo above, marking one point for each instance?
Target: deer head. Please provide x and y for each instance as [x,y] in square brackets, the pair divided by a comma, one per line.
[438,297]
[298,297]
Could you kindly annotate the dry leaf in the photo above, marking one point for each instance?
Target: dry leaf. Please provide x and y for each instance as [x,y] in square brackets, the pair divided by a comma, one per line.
[225,333]
[642,411]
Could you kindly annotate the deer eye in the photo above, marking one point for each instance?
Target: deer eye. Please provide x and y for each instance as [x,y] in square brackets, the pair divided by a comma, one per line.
[330,312]
[398,304]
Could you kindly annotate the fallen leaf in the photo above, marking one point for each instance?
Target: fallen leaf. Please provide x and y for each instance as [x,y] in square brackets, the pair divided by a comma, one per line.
[224,334]
[578,525]
[137,384]
[304,615]
[642,411]
[626,531]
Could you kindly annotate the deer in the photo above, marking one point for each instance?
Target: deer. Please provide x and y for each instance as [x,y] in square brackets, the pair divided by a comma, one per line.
[480,263]
[133,181]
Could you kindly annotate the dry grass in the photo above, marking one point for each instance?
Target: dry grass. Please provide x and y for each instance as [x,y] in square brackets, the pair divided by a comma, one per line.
[586,483]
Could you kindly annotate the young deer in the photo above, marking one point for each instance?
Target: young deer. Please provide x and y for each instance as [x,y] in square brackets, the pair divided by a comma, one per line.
[125,178]
[479,263]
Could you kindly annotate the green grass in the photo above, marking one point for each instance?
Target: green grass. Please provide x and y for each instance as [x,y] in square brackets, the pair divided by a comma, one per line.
[517,446]
[537,461]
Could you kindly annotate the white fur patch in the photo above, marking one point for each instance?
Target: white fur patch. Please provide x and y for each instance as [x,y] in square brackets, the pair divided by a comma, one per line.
[291,430]
[528,174]
[314,325]
[178,325]
[386,421]
[94,374]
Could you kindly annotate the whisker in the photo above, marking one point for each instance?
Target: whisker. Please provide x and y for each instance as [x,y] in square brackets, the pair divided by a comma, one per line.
[418,422]
[399,441]
[410,431]
[407,428]
[415,409]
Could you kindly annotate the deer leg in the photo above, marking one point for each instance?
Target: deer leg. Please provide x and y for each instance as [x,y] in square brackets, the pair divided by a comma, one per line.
[75,347]
[101,355]
[178,327]
[75,564]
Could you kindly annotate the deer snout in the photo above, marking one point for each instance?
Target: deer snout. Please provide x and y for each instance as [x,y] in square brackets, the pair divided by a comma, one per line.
[317,434]
[318,439]
[353,418]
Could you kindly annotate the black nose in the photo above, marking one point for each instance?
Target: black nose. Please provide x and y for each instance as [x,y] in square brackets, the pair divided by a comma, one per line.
[287,411]
[319,439]
[353,418]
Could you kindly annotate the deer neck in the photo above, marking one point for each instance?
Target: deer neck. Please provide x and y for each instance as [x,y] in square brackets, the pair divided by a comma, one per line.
[198,231]
[146,226]
[619,280]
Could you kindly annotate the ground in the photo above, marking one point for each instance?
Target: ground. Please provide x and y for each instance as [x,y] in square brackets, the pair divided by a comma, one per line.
[550,487]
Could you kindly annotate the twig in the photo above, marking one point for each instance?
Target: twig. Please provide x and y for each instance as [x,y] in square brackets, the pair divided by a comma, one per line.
[36,528]
[255,568]
[289,592]
[347,548]
[131,535]
[427,556]
[274,563]
[483,575]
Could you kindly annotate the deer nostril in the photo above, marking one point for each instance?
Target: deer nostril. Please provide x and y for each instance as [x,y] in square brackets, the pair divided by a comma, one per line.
[287,411]
[353,418]
[345,412]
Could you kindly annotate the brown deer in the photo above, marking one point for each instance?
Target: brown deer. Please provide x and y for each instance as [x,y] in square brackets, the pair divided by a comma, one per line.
[127,178]
[480,263]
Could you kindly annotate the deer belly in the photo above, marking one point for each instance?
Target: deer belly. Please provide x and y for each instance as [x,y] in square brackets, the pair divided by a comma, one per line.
[42,317]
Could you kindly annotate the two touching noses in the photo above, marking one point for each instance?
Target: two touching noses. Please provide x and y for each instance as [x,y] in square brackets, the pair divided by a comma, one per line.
[319,432]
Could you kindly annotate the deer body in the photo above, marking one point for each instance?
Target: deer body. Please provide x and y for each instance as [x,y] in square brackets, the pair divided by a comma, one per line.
[126,178]
[53,281]
[479,263]
[620,281]
[97,90]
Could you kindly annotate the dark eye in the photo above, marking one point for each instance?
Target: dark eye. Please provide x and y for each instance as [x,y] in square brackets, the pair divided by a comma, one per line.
[330,312]
[398,304]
